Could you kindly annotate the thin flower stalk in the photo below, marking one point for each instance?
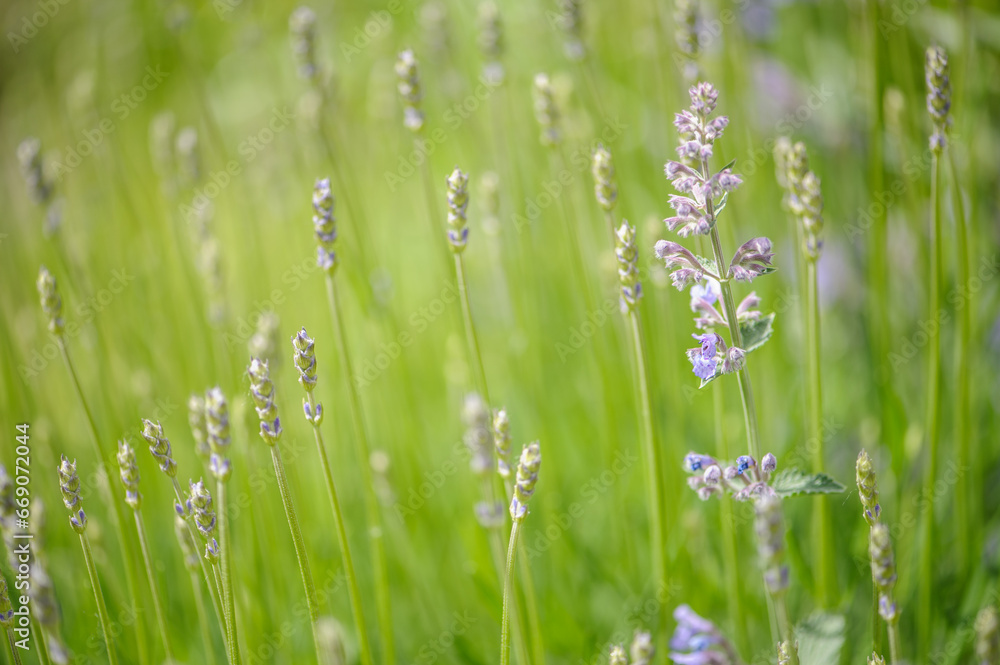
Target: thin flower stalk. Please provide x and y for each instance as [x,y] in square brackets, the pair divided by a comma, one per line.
[524,488]
[938,106]
[325,228]
[770,529]
[305,363]
[69,487]
[867,483]
[262,393]
[217,423]
[52,306]
[159,448]
[193,561]
[804,200]
[129,474]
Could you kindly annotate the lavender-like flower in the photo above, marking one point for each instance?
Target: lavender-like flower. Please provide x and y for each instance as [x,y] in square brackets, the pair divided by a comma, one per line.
[458,204]
[770,530]
[128,471]
[627,255]
[48,292]
[6,609]
[409,90]
[69,487]
[884,571]
[698,641]
[617,656]
[325,226]
[527,477]
[988,636]
[159,447]
[936,74]
[868,488]
[262,392]
[501,441]
[686,35]
[478,434]
[491,40]
[546,111]
[876,659]
[302,29]
[803,197]
[571,22]
[264,342]
[217,423]
[199,504]
[603,169]
[642,649]
[751,260]
[199,431]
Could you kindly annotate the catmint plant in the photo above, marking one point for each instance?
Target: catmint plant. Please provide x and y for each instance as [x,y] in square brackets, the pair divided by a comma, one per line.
[702,196]
[698,641]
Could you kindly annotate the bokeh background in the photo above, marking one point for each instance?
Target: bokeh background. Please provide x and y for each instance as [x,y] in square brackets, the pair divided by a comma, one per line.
[147,110]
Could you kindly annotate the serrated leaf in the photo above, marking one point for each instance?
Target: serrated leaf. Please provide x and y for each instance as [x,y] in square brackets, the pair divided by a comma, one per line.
[820,637]
[791,482]
[708,264]
[756,332]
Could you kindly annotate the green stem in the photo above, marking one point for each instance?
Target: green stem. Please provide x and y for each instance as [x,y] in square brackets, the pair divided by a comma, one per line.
[157,606]
[508,585]
[300,547]
[338,518]
[785,626]
[126,543]
[13,649]
[729,552]
[433,221]
[375,529]
[43,648]
[102,610]
[213,590]
[933,414]
[199,605]
[743,376]
[226,583]
[876,625]
[472,340]
[821,508]
[653,464]
[962,407]
[894,643]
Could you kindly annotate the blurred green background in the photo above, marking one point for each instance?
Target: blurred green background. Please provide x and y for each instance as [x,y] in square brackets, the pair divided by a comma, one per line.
[129,254]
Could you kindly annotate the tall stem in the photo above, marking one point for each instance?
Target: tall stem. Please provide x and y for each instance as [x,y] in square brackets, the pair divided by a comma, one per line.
[157,606]
[43,647]
[15,656]
[508,586]
[654,475]
[785,626]
[743,376]
[126,543]
[876,623]
[472,340]
[821,508]
[933,414]
[338,519]
[226,586]
[962,408]
[894,643]
[199,605]
[375,530]
[730,556]
[102,610]
[300,547]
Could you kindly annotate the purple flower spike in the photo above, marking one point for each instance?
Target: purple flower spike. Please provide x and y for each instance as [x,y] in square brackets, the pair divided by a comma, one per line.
[752,260]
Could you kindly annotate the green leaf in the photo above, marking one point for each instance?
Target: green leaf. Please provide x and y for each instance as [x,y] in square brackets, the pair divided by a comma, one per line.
[756,332]
[791,482]
[708,264]
[821,637]
[728,166]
